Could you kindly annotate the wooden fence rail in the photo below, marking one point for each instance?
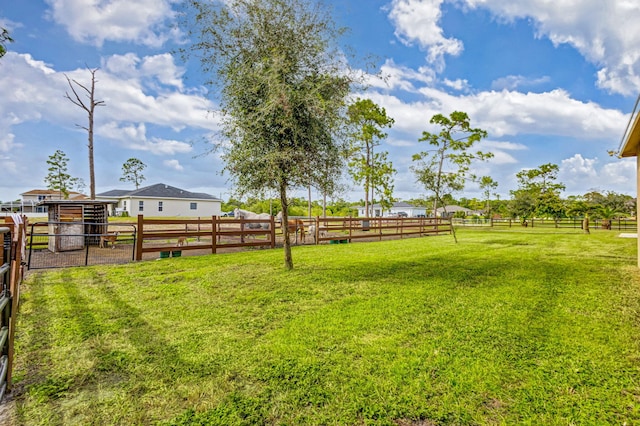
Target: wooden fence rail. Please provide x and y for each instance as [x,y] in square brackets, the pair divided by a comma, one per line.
[215,233]
[350,229]
[13,235]
[612,224]
[212,234]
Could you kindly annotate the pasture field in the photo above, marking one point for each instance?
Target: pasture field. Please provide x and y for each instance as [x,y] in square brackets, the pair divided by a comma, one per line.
[509,326]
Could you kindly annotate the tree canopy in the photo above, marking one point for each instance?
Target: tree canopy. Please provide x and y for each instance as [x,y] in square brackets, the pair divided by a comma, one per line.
[132,171]
[282,90]
[538,192]
[58,178]
[445,168]
[372,169]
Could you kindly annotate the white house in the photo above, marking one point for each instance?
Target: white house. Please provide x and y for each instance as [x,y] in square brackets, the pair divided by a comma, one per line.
[30,202]
[450,211]
[399,208]
[163,200]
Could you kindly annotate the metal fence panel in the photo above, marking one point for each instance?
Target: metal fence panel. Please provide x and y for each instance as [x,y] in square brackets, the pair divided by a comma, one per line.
[63,244]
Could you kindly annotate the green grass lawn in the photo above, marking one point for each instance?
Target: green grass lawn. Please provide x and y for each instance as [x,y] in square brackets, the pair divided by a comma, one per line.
[505,327]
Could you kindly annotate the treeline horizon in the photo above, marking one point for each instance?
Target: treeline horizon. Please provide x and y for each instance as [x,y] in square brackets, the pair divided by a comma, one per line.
[604,205]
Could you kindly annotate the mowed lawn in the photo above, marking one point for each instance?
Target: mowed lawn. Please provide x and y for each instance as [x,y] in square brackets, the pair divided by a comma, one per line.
[509,326]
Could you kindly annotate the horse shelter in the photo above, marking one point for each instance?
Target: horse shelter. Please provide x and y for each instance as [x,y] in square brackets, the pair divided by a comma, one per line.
[77,232]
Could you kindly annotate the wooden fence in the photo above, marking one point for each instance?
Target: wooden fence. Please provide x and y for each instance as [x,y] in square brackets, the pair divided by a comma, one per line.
[613,224]
[170,237]
[353,229]
[13,235]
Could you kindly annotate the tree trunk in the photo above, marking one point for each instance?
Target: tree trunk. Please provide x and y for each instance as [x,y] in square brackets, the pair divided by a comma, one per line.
[288,260]
[324,204]
[92,174]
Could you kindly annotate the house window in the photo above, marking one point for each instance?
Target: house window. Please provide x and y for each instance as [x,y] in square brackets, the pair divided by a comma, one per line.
[42,197]
[124,204]
[194,206]
[159,206]
[140,205]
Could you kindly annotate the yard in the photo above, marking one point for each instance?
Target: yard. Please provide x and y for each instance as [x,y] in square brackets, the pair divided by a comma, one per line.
[509,326]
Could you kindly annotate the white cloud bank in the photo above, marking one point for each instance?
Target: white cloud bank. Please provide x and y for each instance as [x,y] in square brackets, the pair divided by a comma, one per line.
[141,21]
[606,33]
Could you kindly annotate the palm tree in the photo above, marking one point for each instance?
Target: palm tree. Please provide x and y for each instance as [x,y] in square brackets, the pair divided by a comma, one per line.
[607,213]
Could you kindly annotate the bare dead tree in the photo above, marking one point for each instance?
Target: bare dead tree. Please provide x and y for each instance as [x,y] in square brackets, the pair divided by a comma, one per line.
[89,108]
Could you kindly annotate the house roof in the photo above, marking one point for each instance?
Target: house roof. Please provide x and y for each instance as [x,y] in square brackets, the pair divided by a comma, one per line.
[159,190]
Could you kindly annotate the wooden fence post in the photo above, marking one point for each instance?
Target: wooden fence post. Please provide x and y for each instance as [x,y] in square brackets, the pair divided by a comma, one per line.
[140,237]
[273,232]
[214,232]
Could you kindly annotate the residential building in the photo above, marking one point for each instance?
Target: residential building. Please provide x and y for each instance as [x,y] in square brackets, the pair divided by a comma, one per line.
[29,203]
[450,211]
[399,208]
[163,200]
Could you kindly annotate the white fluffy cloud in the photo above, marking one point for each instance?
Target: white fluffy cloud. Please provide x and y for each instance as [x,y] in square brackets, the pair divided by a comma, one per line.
[145,109]
[95,21]
[604,32]
[581,175]
[34,91]
[417,21]
[507,113]
[500,151]
[135,137]
[174,164]
[156,71]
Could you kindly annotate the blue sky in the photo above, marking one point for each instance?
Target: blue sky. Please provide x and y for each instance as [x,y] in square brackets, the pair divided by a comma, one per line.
[551,82]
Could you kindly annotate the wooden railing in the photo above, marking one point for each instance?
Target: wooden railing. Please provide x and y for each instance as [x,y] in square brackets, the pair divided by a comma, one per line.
[172,236]
[566,223]
[352,229]
[13,236]
[176,235]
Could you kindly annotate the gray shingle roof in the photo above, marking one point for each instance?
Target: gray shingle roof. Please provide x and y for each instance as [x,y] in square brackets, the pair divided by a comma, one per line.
[159,190]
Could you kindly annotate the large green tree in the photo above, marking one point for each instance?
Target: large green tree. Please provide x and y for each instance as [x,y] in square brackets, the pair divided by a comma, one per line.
[58,178]
[488,186]
[132,171]
[282,89]
[366,123]
[541,191]
[382,180]
[446,167]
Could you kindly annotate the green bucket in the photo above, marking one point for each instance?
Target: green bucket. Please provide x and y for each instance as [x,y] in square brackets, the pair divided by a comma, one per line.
[164,254]
[176,253]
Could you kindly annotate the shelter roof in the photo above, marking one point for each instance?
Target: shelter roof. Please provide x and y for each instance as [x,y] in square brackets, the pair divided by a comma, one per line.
[631,139]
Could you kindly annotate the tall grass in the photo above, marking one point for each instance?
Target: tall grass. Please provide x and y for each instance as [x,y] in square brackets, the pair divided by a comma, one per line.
[505,327]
